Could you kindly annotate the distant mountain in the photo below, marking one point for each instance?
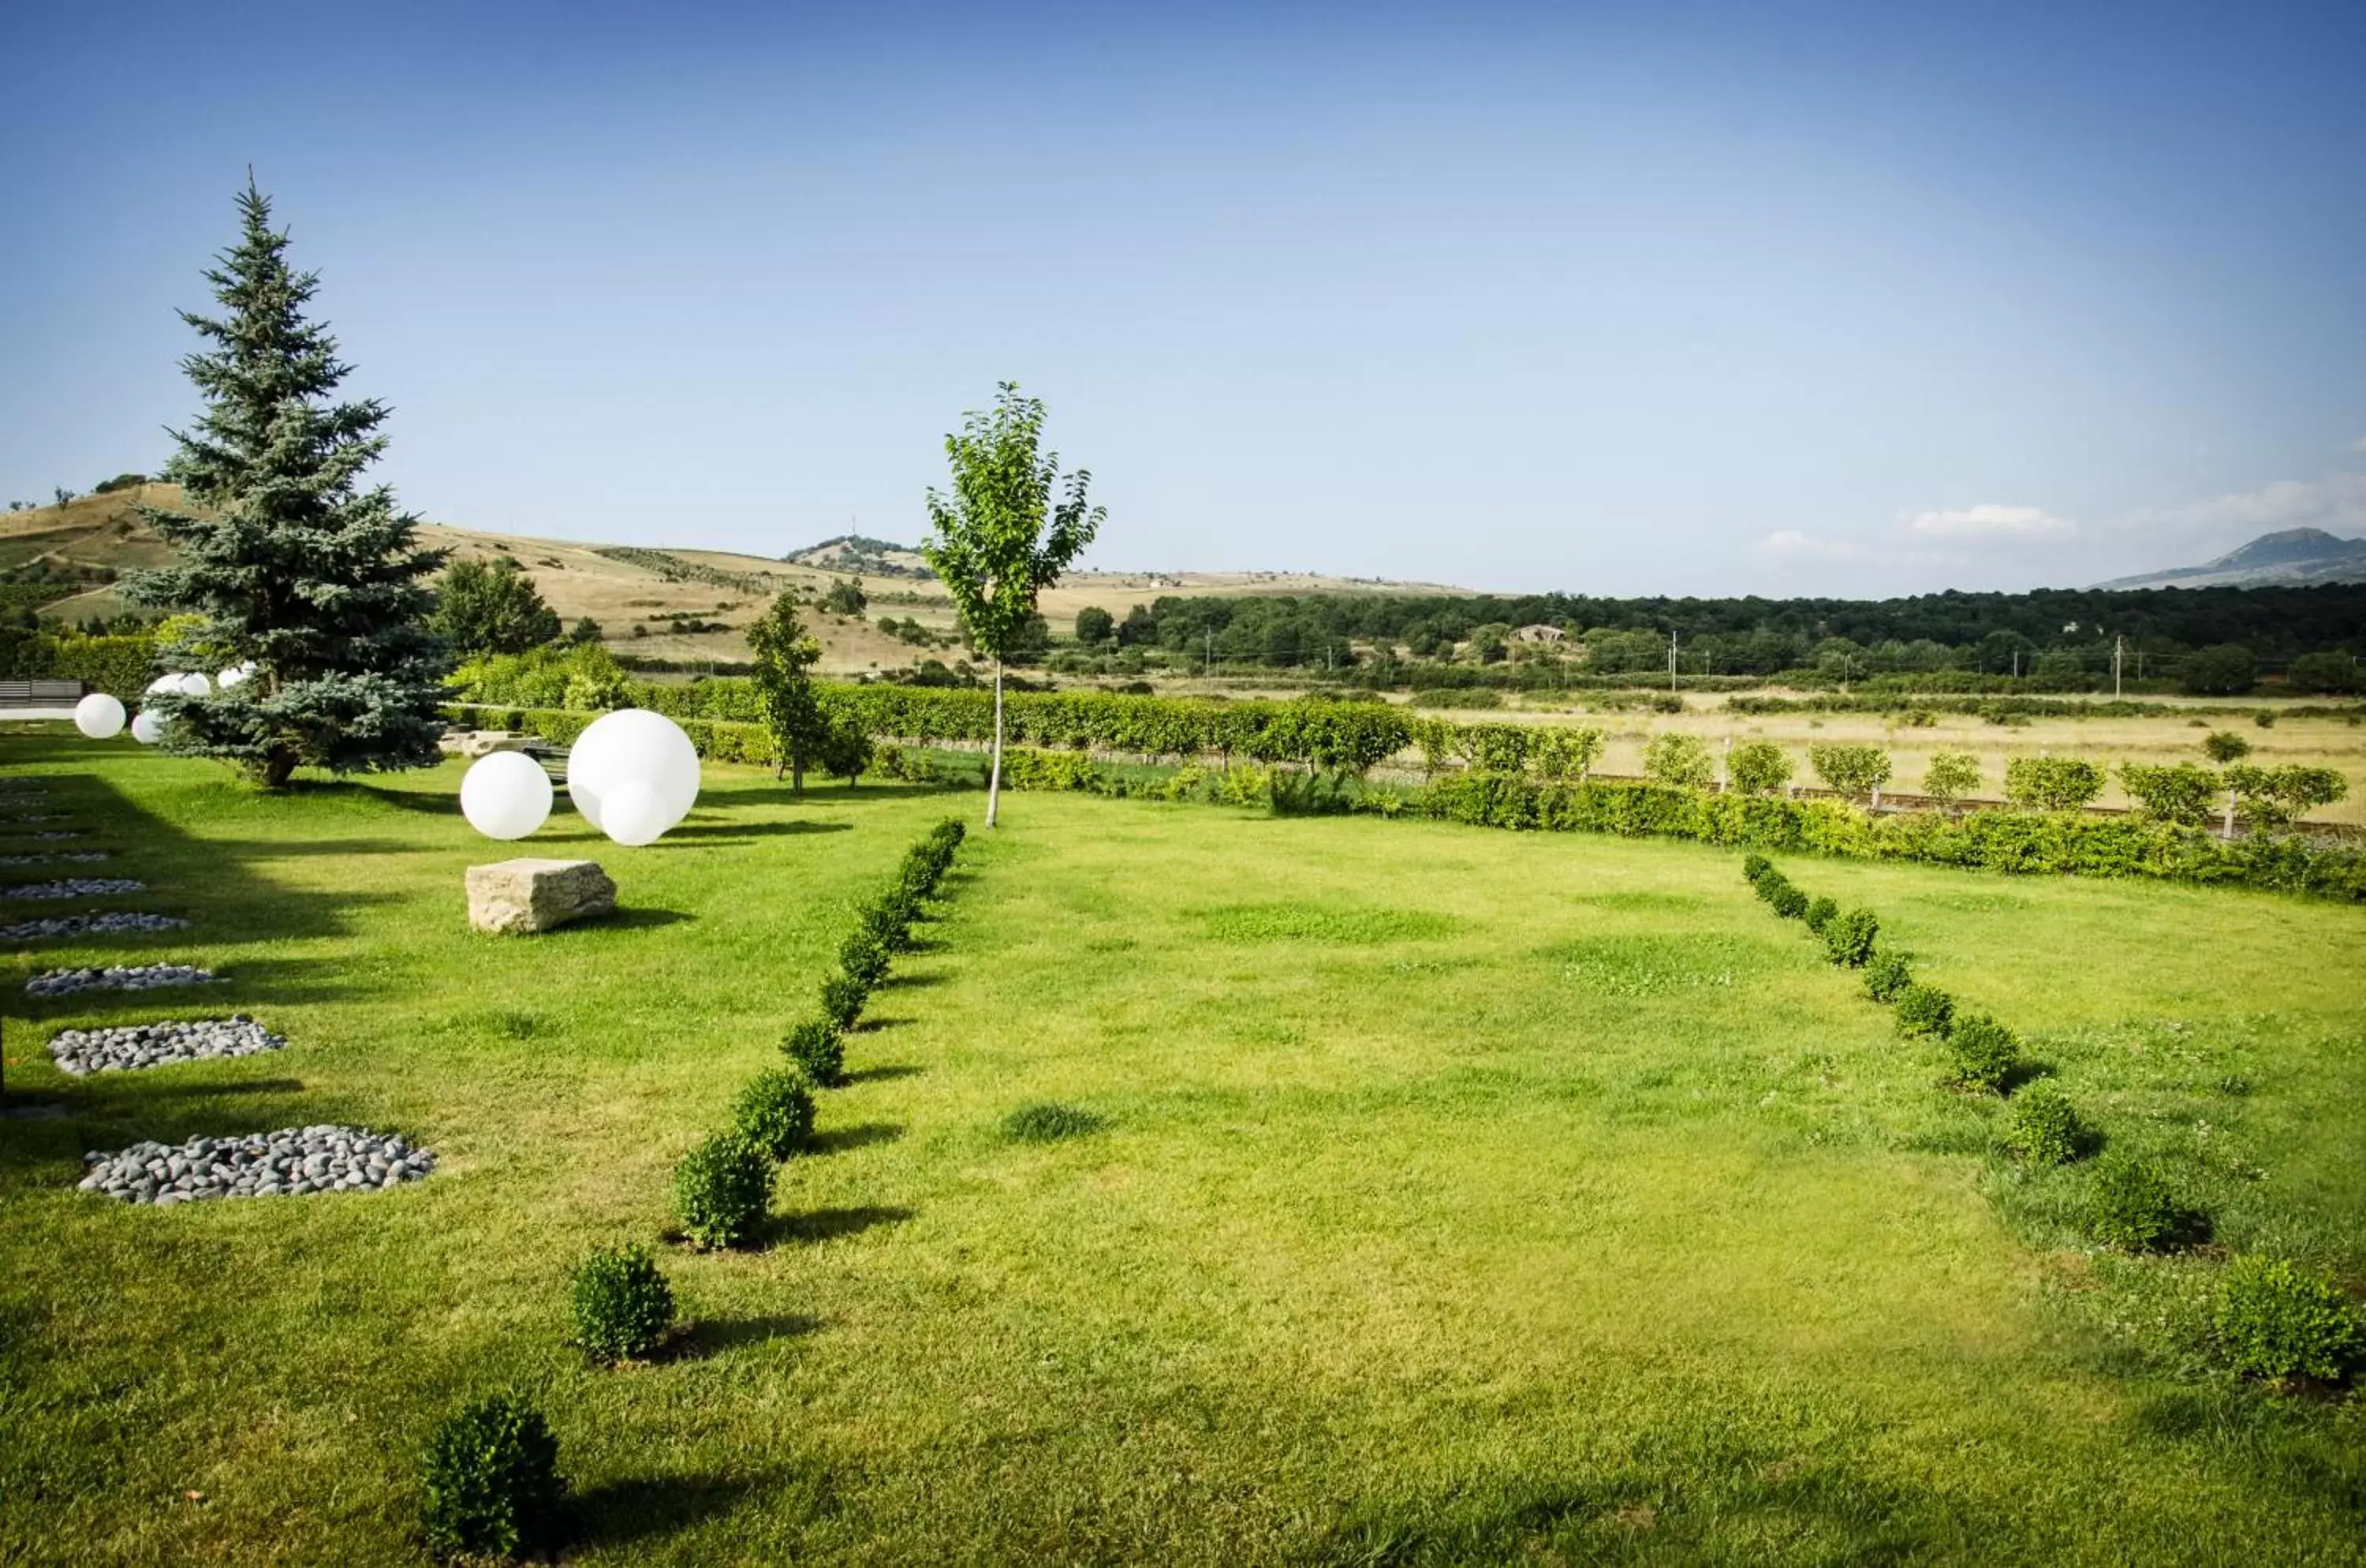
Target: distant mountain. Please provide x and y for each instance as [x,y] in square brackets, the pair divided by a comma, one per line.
[2293,557]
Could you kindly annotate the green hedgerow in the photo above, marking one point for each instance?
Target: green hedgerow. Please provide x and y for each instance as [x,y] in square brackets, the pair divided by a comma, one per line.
[1045,1123]
[1848,938]
[1985,1051]
[2044,1127]
[819,1047]
[2131,1205]
[622,1305]
[1789,902]
[1886,977]
[1821,913]
[1754,866]
[776,1111]
[492,1481]
[1924,1010]
[721,1190]
[842,997]
[889,919]
[863,956]
[2278,1320]
[1771,885]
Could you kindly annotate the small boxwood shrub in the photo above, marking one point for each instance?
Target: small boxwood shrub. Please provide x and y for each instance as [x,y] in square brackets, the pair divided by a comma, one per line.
[2131,1205]
[775,1112]
[842,997]
[1985,1051]
[1754,866]
[819,1047]
[889,919]
[1848,938]
[1789,902]
[492,1481]
[1886,977]
[2044,1127]
[1770,886]
[2278,1320]
[863,956]
[1820,914]
[1924,1010]
[620,1304]
[1045,1123]
[721,1190]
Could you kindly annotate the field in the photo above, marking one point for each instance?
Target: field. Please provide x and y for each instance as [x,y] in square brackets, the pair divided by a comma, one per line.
[1462,1196]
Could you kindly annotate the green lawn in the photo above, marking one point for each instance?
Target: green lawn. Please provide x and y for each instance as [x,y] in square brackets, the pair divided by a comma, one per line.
[1464,1196]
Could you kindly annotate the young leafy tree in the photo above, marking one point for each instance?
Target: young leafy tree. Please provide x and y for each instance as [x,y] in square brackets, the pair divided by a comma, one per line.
[1850,770]
[1758,767]
[785,654]
[286,560]
[492,607]
[1951,776]
[989,541]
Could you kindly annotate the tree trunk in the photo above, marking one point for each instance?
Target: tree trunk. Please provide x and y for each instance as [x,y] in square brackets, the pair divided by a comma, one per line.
[994,778]
[796,773]
[278,765]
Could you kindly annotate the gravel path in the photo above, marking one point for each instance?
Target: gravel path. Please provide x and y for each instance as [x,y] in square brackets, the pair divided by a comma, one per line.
[89,925]
[116,977]
[74,888]
[120,1049]
[292,1160]
[54,857]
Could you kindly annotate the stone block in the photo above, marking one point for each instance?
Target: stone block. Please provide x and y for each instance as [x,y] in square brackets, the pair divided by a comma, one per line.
[525,896]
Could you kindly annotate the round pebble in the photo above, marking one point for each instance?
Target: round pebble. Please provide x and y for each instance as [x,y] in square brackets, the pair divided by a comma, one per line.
[74,888]
[89,925]
[260,1165]
[116,977]
[80,1051]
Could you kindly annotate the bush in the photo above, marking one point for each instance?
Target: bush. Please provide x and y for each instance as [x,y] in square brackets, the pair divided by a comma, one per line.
[1758,767]
[842,997]
[2052,784]
[2272,797]
[1886,977]
[1754,866]
[1821,913]
[2044,1128]
[2224,746]
[1789,902]
[2131,1205]
[1047,1124]
[620,1304]
[889,918]
[721,1190]
[1851,770]
[819,1047]
[2277,1320]
[2335,673]
[2225,671]
[1951,776]
[1848,938]
[1768,882]
[2179,793]
[492,1481]
[1679,760]
[775,1112]
[1924,1010]
[1985,1051]
[863,956]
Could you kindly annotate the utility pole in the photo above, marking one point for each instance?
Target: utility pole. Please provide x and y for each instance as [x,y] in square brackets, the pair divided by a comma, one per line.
[1671,661]
[1209,669]
[2118,646]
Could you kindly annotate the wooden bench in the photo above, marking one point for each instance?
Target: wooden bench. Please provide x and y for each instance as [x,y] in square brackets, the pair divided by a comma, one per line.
[42,694]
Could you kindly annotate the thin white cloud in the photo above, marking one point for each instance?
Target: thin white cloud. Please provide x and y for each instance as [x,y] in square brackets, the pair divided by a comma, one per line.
[1789,544]
[2359,445]
[1989,521]
[2335,503]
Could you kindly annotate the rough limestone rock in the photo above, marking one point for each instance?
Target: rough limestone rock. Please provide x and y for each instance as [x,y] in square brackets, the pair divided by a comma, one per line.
[481,742]
[521,896]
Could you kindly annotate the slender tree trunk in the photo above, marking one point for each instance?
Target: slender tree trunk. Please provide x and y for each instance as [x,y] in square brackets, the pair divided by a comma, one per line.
[994,778]
[279,766]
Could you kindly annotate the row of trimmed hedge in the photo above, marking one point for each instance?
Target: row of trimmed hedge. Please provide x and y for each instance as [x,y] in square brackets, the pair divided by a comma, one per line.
[2277,1320]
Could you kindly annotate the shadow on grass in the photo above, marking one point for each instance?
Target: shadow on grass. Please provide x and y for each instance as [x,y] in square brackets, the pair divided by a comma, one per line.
[830,1225]
[707,1336]
[884,1075]
[840,1140]
[894,982]
[620,1512]
[755,829]
[250,1086]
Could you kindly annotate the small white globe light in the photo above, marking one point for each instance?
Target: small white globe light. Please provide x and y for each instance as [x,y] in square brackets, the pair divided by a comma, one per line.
[236,675]
[633,814]
[165,683]
[148,729]
[632,744]
[99,716]
[505,794]
[196,686]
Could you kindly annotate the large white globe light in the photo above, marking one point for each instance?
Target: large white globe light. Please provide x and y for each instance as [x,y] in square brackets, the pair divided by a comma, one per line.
[165,683]
[148,729]
[505,794]
[633,814]
[627,746]
[196,686]
[99,716]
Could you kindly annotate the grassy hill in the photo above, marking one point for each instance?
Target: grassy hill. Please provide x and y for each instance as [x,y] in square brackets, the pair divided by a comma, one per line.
[672,604]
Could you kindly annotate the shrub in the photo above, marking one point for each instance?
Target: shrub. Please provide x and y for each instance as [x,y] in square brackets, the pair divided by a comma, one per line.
[842,997]
[1821,913]
[2225,671]
[2224,746]
[1789,902]
[2278,1320]
[492,1486]
[2272,797]
[2052,784]
[1985,1051]
[2330,673]
[1851,770]
[1951,776]
[863,956]
[776,1111]
[1677,759]
[2131,1205]
[1770,883]
[889,918]
[1848,938]
[819,1048]
[2044,1128]
[1924,1010]
[2179,793]
[1886,977]
[1758,767]
[1045,1123]
[1754,866]
[721,1190]
[620,1304]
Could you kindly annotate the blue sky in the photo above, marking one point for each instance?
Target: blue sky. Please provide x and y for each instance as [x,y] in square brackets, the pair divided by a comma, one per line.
[1775,298]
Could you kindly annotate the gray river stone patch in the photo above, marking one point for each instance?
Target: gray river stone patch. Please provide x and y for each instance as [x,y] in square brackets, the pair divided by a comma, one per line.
[74,888]
[57,835]
[54,857]
[260,1165]
[117,978]
[119,924]
[126,1047]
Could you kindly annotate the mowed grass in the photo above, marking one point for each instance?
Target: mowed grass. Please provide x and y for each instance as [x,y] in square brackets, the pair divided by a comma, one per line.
[1436,1195]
